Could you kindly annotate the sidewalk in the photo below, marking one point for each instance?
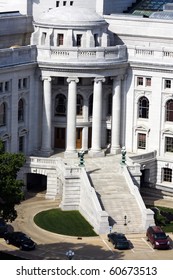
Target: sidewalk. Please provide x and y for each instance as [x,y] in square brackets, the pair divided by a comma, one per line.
[54,246]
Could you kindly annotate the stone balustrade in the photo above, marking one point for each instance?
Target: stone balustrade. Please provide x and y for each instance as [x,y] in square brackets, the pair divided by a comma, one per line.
[116,54]
[147,214]
[17,55]
[144,53]
[38,162]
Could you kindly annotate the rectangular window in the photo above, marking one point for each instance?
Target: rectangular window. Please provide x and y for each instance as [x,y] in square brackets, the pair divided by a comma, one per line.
[148,82]
[43,38]
[140,81]
[57,3]
[7,86]
[21,144]
[167,174]
[25,82]
[78,40]
[167,83]
[19,83]
[60,40]
[1,87]
[64,3]
[96,40]
[71,3]
[169,144]
[141,141]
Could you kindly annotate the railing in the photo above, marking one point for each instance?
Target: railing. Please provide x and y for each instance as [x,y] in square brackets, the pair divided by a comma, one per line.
[146,52]
[38,162]
[147,214]
[115,53]
[90,206]
[17,55]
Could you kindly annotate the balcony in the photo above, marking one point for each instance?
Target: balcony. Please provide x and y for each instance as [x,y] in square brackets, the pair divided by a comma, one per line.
[79,56]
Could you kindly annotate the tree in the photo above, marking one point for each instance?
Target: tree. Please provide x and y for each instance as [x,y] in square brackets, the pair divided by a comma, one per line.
[10,188]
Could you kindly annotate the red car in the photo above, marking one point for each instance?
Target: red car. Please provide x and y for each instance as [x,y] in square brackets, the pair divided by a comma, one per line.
[157,237]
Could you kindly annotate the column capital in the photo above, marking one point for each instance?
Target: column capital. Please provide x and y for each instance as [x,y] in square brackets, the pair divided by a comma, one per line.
[99,79]
[43,78]
[72,79]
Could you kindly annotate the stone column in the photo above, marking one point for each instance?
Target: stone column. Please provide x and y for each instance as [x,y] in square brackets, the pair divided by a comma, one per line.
[116,109]
[46,118]
[97,118]
[123,111]
[71,115]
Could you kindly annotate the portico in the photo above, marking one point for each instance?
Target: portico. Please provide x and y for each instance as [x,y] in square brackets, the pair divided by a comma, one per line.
[77,62]
[82,128]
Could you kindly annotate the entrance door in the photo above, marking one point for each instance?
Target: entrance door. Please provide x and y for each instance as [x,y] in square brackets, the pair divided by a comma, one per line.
[60,137]
[78,138]
[144,182]
[89,137]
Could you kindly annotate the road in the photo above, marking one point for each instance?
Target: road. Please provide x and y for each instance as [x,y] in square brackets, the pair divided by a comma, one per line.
[53,246]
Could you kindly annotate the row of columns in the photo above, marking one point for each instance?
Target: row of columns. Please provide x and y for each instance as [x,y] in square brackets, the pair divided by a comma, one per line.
[71,116]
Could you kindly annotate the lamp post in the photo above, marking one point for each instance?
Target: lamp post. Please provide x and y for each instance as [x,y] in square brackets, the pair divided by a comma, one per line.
[70,254]
[123,153]
[81,158]
[110,229]
[125,220]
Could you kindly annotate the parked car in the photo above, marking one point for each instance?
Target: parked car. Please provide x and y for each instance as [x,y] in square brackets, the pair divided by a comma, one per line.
[20,240]
[3,227]
[158,237]
[119,240]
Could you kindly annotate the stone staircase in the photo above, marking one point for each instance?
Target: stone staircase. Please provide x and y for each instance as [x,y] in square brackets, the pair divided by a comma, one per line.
[107,178]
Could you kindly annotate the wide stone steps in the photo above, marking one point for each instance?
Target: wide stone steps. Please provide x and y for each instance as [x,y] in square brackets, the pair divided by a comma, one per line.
[114,195]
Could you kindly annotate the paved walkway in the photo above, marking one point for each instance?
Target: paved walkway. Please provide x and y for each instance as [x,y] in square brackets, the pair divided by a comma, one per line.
[53,246]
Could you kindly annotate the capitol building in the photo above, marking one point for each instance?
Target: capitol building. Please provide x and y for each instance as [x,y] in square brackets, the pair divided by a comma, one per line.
[96,77]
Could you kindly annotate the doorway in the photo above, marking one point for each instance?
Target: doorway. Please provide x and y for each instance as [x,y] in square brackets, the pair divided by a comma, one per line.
[36,182]
[78,138]
[145,177]
[89,137]
[60,133]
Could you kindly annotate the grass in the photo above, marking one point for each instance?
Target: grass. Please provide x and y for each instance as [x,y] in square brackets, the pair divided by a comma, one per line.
[70,223]
[162,217]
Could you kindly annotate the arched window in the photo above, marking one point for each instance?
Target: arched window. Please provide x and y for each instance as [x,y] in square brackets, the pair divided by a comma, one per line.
[169,110]
[91,105]
[109,105]
[143,108]
[21,110]
[79,104]
[60,105]
[3,113]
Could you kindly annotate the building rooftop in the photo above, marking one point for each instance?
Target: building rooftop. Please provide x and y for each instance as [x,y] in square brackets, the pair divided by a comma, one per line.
[70,16]
[147,7]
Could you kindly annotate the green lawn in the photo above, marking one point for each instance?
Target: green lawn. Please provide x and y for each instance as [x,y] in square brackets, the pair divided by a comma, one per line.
[70,223]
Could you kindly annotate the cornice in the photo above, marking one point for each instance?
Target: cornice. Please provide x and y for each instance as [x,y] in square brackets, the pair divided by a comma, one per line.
[153,68]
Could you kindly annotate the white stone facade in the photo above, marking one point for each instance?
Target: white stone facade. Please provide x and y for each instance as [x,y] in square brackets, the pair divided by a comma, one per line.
[86,81]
